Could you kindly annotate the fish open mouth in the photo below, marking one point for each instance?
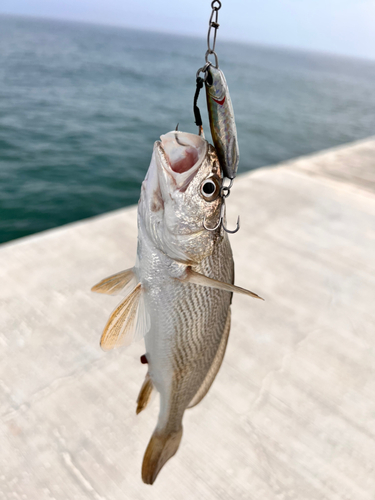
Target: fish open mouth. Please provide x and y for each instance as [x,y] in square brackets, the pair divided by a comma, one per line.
[181,154]
[181,157]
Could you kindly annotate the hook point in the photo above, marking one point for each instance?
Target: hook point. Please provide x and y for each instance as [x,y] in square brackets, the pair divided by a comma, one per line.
[235,230]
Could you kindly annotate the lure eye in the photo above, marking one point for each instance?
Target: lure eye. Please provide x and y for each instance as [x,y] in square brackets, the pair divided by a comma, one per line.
[210,189]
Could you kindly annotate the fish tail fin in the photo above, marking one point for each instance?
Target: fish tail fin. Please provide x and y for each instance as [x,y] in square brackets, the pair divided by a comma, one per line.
[162,446]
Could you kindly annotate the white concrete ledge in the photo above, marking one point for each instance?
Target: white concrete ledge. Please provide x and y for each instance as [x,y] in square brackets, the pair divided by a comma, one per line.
[292,412]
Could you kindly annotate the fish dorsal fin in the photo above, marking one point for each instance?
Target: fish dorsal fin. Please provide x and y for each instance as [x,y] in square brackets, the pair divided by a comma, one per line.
[117,282]
[199,279]
[214,368]
[129,321]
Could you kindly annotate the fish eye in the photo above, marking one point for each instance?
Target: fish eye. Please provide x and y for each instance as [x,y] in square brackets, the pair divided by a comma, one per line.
[210,189]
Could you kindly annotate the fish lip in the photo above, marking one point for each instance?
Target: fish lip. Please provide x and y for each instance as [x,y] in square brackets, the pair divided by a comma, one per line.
[162,153]
[164,161]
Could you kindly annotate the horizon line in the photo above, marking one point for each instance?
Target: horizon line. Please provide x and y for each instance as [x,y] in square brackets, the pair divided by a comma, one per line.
[264,45]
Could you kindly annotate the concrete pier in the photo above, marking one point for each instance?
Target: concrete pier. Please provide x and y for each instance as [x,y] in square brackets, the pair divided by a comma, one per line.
[291,414]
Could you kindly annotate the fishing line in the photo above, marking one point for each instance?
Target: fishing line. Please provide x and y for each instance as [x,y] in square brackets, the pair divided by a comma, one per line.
[212,25]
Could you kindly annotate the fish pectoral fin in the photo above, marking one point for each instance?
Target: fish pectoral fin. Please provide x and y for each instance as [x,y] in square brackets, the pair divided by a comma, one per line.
[199,279]
[117,282]
[128,322]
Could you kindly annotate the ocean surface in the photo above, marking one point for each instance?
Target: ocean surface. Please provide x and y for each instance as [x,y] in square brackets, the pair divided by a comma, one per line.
[81,106]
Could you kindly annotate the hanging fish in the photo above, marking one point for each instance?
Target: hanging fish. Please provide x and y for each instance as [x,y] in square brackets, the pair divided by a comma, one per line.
[178,294]
[222,123]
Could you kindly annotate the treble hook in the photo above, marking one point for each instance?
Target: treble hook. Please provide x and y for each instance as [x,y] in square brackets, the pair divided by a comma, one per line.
[223,211]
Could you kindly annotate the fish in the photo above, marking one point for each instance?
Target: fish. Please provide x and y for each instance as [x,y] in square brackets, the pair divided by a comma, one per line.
[178,295]
[222,122]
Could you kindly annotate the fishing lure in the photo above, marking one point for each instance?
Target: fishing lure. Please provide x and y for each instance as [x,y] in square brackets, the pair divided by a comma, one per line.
[220,113]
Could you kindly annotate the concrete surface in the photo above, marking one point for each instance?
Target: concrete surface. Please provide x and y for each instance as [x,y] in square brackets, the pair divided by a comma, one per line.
[291,414]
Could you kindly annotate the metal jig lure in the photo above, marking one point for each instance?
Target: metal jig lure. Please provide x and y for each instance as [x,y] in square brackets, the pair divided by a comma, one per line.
[221,115]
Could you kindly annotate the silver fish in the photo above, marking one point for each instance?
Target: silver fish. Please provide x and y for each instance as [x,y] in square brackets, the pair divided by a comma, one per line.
[178,294]
[222,123]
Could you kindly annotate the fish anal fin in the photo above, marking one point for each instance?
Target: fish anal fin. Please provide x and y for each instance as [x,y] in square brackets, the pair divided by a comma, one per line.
[117,282]
[199,279]
[160,449]
[144,394]
[215,367]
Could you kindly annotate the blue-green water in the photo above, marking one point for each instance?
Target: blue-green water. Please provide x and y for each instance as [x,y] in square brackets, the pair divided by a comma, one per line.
[81,106]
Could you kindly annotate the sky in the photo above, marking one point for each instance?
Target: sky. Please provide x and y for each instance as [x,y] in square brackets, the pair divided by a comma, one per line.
[344,27]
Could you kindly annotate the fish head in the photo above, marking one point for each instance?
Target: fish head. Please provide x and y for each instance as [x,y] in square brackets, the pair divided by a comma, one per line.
[181,191]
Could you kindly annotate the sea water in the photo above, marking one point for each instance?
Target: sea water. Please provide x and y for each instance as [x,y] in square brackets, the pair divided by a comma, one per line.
[81,106]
